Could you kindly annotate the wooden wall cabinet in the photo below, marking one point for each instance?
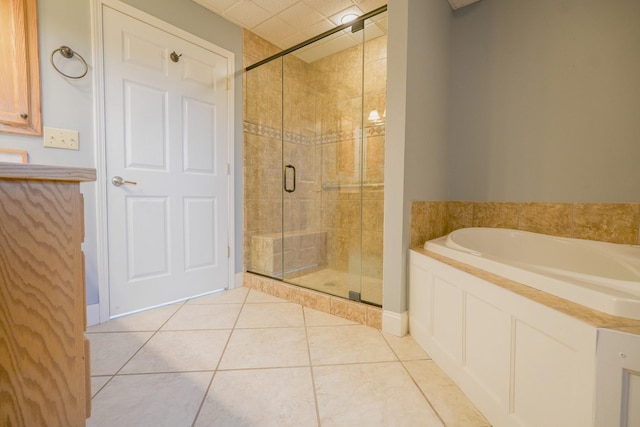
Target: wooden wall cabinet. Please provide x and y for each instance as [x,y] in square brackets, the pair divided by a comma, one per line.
[44,355]
[20,110]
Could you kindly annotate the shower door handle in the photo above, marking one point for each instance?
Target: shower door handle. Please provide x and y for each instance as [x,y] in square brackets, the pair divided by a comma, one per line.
[286,169]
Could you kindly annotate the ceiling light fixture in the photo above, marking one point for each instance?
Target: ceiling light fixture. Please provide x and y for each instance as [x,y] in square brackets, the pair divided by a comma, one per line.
[348,18]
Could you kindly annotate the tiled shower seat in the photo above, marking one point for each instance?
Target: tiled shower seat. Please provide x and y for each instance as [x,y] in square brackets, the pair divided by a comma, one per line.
[302,249]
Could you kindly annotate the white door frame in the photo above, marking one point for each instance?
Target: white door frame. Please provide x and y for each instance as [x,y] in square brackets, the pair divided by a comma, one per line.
[99,119]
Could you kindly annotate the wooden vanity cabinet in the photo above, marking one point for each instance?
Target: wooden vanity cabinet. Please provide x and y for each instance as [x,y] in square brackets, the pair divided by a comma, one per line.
[20,110]
[44,358]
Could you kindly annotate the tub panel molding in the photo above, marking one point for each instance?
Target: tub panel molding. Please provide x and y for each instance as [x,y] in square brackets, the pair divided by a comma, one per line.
[618,378]
[487,346]
[551,371]
[520,362]
[447,318]
[420,304]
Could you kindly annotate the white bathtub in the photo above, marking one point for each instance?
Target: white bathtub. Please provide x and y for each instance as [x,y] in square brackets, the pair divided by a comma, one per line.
[599,275]
[521,362]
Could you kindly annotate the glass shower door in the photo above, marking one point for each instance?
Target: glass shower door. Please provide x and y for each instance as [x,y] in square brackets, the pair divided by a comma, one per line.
[373,147]
[263,170]
[314,159]
[322,151]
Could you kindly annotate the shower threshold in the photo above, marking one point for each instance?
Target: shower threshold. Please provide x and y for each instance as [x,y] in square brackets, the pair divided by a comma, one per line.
[336,283]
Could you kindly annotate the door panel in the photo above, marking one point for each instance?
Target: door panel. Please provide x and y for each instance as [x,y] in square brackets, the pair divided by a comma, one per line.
[167,119]
[144,53]
[200,141]
[145,139]
[147,238]
[198,73]
[200,218]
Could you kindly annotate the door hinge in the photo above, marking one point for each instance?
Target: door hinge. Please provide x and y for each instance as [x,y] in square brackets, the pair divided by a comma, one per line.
[228,83]
[228,169]
[228,251]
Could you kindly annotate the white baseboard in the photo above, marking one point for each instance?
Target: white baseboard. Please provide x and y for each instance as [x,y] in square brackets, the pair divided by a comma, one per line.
[93,314]
[395,323]
[239,280]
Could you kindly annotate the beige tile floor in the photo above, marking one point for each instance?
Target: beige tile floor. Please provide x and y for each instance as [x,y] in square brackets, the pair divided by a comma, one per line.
[244,358]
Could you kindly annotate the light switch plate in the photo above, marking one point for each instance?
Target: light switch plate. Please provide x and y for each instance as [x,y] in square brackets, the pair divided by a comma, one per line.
[61,138]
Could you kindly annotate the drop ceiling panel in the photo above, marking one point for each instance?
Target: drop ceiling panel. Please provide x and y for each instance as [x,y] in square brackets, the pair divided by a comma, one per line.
[330,7]
[368,5]
[286,23]
[275,29]
[300,16]
[247,12]
[275,6]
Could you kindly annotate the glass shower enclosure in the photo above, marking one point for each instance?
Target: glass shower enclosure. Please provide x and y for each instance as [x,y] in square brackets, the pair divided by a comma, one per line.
[314,163]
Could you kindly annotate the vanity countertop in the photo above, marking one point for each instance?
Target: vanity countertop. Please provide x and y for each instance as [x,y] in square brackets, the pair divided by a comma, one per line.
[46,172]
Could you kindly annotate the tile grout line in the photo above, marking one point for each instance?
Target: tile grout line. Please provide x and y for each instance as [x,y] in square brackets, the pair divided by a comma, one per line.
[413,380]
[433,408]
[182,304]
[215,371]
[313,377]
[111,377]
[307,320]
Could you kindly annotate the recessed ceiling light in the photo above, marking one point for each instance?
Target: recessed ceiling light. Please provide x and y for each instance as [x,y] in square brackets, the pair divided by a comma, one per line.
[348,18]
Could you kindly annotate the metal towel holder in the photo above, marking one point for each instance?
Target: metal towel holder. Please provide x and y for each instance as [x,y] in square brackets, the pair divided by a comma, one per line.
[68,53]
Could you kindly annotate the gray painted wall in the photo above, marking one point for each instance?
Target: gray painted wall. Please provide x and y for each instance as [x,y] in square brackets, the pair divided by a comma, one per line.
[546,101]
[68,103]
[419,68]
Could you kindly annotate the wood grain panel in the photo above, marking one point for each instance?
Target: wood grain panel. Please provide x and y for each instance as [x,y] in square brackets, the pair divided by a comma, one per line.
[42,366]
[46,172]
[20,110]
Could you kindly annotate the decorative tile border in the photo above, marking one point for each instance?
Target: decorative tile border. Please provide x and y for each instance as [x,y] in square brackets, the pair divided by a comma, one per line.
[260,130]
[269,132]
[364,314]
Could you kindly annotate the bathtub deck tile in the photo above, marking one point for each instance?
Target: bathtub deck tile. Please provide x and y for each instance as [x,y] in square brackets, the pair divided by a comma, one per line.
[606,222]
[547,218]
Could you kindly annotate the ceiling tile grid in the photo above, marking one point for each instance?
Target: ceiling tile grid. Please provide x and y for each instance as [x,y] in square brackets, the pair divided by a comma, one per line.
[286,23]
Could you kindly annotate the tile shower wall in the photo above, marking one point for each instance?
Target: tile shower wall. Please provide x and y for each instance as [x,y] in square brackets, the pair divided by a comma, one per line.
[322,130]
[265,145]
[262,113]
[607,222]
[346,207]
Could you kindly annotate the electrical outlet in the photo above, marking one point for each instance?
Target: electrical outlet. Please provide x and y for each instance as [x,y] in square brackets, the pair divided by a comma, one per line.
[61,138]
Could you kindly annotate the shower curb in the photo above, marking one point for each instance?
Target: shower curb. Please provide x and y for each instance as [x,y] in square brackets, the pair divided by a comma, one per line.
[364,314]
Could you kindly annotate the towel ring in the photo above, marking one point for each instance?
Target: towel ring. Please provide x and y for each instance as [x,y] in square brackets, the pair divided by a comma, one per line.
[68,53]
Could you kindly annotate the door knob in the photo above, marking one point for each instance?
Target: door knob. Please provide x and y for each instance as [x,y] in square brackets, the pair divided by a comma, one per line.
[118,181]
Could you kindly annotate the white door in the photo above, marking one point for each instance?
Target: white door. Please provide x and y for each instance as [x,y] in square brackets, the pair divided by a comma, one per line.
[167,130]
